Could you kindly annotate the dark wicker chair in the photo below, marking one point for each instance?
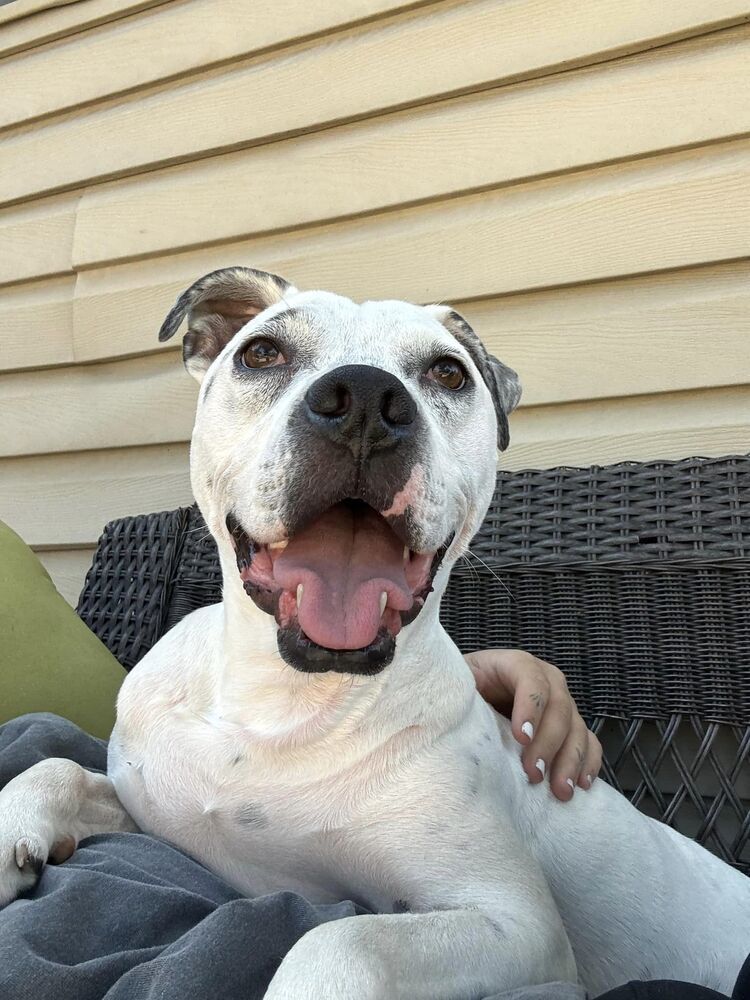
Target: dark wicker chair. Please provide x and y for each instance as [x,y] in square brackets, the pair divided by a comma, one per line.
[633,578]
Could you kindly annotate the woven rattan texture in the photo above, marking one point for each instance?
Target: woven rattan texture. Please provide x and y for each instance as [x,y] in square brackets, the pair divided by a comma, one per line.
[633,578]
[653,511]
[128,587]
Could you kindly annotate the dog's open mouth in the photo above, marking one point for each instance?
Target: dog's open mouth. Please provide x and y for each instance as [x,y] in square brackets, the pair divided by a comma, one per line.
[340,589]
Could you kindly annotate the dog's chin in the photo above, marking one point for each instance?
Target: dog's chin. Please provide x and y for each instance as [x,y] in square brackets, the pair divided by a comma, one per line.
[308,657]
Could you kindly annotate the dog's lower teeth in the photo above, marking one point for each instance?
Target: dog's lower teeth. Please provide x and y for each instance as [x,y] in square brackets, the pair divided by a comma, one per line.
[383,601]
[300,591]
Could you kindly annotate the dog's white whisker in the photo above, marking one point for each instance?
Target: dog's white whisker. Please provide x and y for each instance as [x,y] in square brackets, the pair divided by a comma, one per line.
[491,571]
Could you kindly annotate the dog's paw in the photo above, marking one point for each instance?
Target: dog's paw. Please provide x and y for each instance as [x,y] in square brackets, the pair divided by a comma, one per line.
[22,859]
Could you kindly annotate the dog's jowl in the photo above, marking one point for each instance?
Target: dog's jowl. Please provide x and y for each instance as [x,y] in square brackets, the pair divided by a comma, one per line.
[318,730]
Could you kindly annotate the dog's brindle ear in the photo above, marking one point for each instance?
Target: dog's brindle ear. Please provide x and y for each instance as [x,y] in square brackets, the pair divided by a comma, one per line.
[503,382]
[217,306]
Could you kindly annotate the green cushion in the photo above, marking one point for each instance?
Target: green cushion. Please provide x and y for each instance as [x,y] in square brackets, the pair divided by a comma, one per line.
[49,660]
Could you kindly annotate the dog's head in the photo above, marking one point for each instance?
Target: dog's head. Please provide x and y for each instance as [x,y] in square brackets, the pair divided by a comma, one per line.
[343,451]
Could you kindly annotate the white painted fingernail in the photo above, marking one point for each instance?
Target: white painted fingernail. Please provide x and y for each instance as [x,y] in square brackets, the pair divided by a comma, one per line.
[569,781]
[540,766]
[528,730]
[589,780]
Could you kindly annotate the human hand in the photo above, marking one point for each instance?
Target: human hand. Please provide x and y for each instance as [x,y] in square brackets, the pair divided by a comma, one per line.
[534,695]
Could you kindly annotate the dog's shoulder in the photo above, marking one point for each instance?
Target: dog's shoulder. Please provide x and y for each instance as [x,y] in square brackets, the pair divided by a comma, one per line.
[176,668]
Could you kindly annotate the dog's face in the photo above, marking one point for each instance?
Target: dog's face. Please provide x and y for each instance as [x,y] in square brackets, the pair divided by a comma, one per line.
[342,450]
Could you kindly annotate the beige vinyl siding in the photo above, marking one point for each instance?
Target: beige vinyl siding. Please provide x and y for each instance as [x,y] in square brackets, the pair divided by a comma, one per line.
[68,568]
[574,175]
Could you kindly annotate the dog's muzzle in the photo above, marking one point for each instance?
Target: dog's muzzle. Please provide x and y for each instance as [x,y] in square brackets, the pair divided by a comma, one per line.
[352,568]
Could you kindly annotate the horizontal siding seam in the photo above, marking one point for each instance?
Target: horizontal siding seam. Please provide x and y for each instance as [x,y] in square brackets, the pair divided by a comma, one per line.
[71,30]
[605,280]
[194,74]
[615,55]
[440,197]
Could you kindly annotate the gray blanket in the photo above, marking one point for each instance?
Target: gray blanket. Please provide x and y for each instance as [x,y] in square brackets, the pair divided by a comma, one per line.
[129,917]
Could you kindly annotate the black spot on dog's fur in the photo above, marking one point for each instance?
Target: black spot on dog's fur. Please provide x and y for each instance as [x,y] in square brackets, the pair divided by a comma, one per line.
[498,927]
[401,906]
[251,815]
[474,759]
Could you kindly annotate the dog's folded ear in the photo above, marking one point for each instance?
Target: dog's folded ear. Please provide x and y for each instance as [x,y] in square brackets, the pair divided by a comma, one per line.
[217,306]
[502,381]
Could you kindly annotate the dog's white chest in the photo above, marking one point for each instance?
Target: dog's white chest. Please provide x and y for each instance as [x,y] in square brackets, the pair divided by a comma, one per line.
[259,834]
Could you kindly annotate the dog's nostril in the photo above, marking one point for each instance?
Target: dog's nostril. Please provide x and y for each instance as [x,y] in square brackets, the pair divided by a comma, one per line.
[398,407]
[344,400]
[329,400]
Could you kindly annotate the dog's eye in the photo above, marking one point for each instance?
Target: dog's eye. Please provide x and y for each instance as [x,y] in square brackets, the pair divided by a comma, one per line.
[262,353]
[449,373]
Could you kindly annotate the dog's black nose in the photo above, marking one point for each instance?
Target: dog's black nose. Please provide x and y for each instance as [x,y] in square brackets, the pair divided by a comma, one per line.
[361,406]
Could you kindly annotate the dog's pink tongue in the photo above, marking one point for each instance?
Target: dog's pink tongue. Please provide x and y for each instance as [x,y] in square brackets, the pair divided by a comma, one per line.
[344,560]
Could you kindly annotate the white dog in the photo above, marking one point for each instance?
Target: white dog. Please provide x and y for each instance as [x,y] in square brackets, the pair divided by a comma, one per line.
[318,730]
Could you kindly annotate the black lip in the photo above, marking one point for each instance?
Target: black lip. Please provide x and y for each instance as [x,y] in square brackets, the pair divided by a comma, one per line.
[308,657]
[419,598]
[244,546]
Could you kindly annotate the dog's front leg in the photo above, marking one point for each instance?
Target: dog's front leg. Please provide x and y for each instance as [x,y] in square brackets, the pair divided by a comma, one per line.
[445,955]
[44,812]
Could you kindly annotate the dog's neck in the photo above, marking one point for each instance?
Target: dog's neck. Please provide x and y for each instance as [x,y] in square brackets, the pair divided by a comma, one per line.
[272,701]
